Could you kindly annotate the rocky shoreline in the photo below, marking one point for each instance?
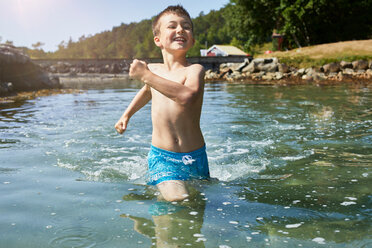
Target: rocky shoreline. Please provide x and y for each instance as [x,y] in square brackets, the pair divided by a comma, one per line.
[18,73]
[271,71]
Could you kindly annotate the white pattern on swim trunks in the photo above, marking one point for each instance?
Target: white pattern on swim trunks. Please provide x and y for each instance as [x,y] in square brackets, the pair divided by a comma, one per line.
[187,159]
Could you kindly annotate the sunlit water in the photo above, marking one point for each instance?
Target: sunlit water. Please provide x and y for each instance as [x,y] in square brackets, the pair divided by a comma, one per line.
[293,166]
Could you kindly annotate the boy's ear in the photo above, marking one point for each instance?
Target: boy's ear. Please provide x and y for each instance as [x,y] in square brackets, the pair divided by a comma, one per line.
[157,41]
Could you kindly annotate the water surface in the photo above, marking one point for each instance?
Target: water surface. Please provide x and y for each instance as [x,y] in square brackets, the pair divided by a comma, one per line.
[293,166]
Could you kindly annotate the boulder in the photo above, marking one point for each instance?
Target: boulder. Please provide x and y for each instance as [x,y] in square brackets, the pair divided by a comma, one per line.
[348,71]
[251,68]
[224,72]
[241,66]
[283,68]
[345,65]
[360,65]
[18,69]
[299,72]
[271,67]
[279,75]
[331,68]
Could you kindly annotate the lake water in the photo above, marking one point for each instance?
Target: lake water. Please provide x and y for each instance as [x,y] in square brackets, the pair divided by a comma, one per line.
[293,168]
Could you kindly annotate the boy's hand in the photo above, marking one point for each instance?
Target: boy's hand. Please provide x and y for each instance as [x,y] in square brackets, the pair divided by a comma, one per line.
[121,125]
[138,69]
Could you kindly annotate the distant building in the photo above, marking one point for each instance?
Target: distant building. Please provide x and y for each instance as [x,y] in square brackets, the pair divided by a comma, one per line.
[203,52]
[222,50]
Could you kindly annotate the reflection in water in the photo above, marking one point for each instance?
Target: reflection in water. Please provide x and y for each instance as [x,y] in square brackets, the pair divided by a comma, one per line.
[173,224]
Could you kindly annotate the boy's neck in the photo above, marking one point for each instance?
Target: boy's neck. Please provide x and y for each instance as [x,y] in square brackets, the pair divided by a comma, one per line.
[173,61]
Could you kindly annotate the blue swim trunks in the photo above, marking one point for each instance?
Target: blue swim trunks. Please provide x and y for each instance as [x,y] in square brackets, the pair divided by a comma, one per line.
[166,165]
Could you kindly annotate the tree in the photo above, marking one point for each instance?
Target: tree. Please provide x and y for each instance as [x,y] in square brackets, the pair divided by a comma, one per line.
[37,45]
[303,22]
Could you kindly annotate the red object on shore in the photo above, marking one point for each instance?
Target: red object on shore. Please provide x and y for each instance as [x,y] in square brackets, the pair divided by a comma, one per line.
[268,52]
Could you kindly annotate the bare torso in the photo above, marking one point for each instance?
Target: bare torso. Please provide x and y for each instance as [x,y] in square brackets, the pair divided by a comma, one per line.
[175,127]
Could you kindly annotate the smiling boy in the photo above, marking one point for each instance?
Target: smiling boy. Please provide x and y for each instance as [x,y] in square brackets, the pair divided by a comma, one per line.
[176,89]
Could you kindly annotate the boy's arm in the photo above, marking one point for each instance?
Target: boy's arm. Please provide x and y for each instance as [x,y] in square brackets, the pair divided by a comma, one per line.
[183,94]
[140,100]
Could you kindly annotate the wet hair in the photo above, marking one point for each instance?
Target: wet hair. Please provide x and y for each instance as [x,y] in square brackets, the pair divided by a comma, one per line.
[174,9]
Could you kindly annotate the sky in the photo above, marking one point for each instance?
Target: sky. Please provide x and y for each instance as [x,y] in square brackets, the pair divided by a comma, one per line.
[26,22]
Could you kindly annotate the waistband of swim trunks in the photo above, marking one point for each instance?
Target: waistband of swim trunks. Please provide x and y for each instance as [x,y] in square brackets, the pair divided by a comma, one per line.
[195,153]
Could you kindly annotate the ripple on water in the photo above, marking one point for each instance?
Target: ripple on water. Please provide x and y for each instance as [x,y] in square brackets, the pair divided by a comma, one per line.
[78,237]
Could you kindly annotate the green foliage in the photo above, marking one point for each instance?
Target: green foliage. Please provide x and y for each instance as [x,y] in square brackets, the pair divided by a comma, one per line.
[303,22]
[135,40]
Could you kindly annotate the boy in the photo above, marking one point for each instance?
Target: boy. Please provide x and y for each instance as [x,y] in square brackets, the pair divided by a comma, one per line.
[176,89]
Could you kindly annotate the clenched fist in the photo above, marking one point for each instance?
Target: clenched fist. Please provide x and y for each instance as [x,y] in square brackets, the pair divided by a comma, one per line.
[138,69]
[121,125]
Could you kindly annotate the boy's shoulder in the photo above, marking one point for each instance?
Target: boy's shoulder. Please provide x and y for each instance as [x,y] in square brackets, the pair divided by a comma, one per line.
[196,67]
[189,67]
[154,66]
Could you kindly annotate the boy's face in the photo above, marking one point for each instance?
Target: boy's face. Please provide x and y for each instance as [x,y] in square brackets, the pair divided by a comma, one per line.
[175,33]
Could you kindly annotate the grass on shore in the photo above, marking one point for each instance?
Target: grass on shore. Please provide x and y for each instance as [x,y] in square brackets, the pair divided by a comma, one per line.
[319,55]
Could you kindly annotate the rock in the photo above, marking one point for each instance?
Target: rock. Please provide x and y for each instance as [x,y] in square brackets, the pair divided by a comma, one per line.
[115,69]
[269,76]
[369,72]
[251,68]
[370,64]
[209,75]
[10,54]
[272,67]
[6,88]
[309,71]
[63,67]
[319,76]
[25,75]
[300,72]
[360,65]
[345,65]
[283,68]
[222,66]
[348,71]
[331,68]
[224,72]
[242,65]
[332,74]
[235,76]
[279,75]
[83,68]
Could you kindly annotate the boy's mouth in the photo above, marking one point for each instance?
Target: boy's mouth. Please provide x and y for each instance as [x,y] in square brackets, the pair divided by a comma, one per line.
[181,39]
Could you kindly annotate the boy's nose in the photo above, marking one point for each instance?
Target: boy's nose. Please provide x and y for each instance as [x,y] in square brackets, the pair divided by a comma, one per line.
[180,29]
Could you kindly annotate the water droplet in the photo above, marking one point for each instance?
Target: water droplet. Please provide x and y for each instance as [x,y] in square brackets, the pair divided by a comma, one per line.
[347,203]
[293,225]
[319,240]
[198,235]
